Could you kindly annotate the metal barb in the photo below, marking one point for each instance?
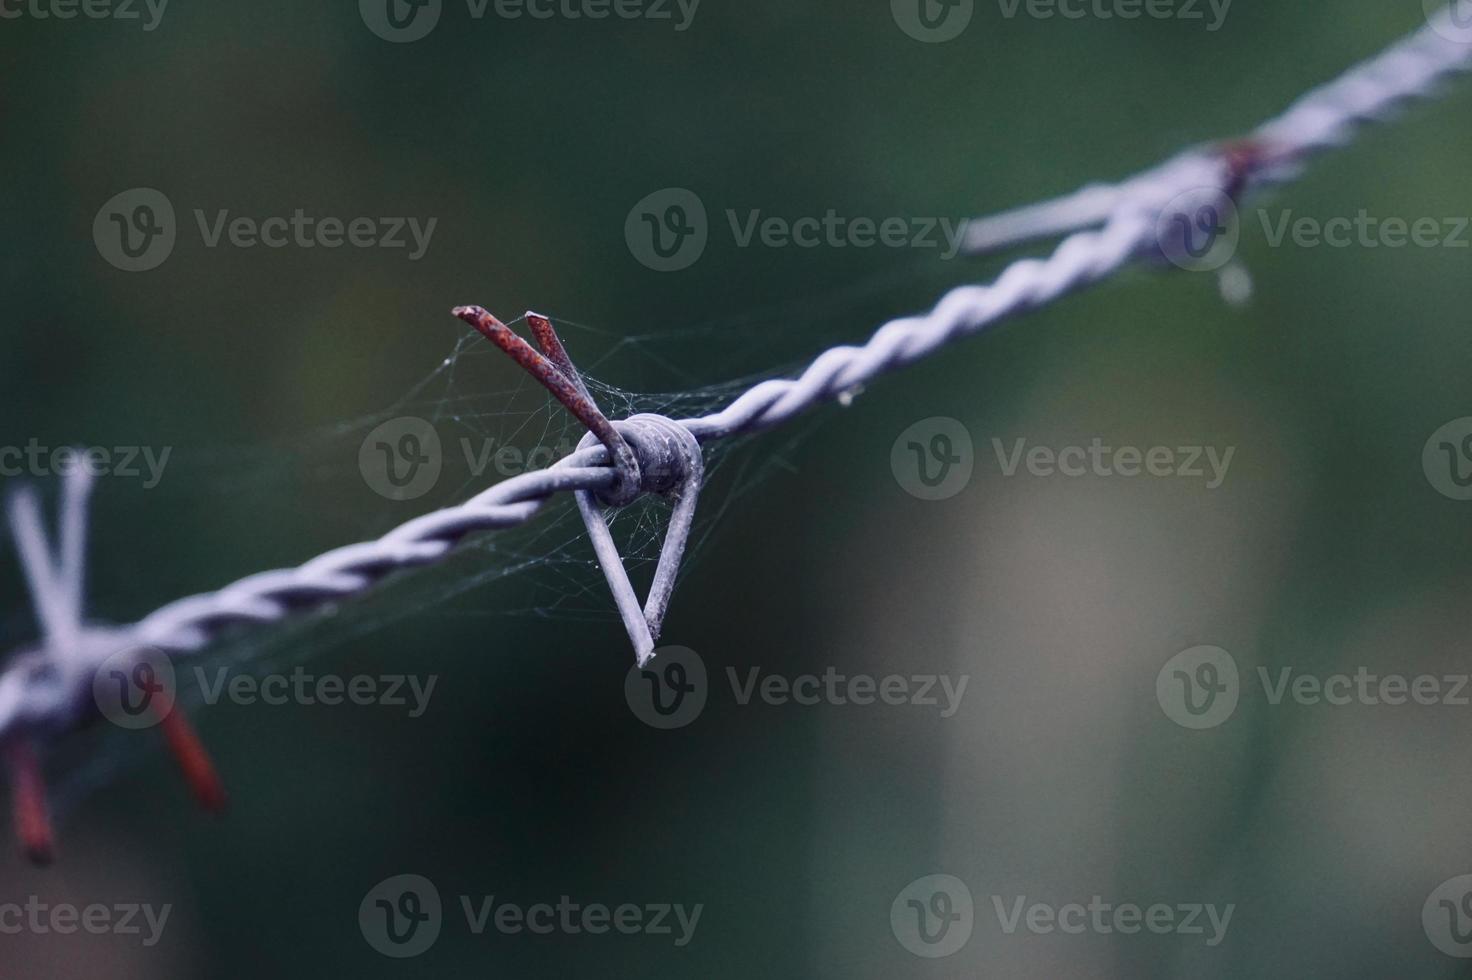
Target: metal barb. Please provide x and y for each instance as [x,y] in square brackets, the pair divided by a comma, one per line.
[1242,161]
[56,577]
[676,463]
[554,370]
[676,470]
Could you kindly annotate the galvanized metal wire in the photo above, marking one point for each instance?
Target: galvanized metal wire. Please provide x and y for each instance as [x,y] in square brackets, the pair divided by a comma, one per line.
[47,689]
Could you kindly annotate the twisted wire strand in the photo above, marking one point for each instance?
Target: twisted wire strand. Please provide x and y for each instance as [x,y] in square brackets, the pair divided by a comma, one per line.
[46,689]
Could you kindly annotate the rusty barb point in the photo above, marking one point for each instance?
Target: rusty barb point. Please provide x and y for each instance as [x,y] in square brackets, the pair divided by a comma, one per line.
[554,370]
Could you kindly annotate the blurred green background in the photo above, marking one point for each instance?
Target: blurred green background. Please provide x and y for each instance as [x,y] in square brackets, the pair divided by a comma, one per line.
[796,827]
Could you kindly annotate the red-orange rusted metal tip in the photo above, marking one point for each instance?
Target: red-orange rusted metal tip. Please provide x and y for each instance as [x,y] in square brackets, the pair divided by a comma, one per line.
[553,369]
[194,761]
[551,345]
[28,801]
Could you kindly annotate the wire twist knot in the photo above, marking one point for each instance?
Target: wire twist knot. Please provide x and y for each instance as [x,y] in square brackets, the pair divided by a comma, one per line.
[665,453]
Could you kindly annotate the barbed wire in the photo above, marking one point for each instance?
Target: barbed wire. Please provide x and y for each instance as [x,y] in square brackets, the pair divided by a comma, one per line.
[48,689]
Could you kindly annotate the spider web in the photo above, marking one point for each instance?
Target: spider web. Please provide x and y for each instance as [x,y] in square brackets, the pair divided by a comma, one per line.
[478,403]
